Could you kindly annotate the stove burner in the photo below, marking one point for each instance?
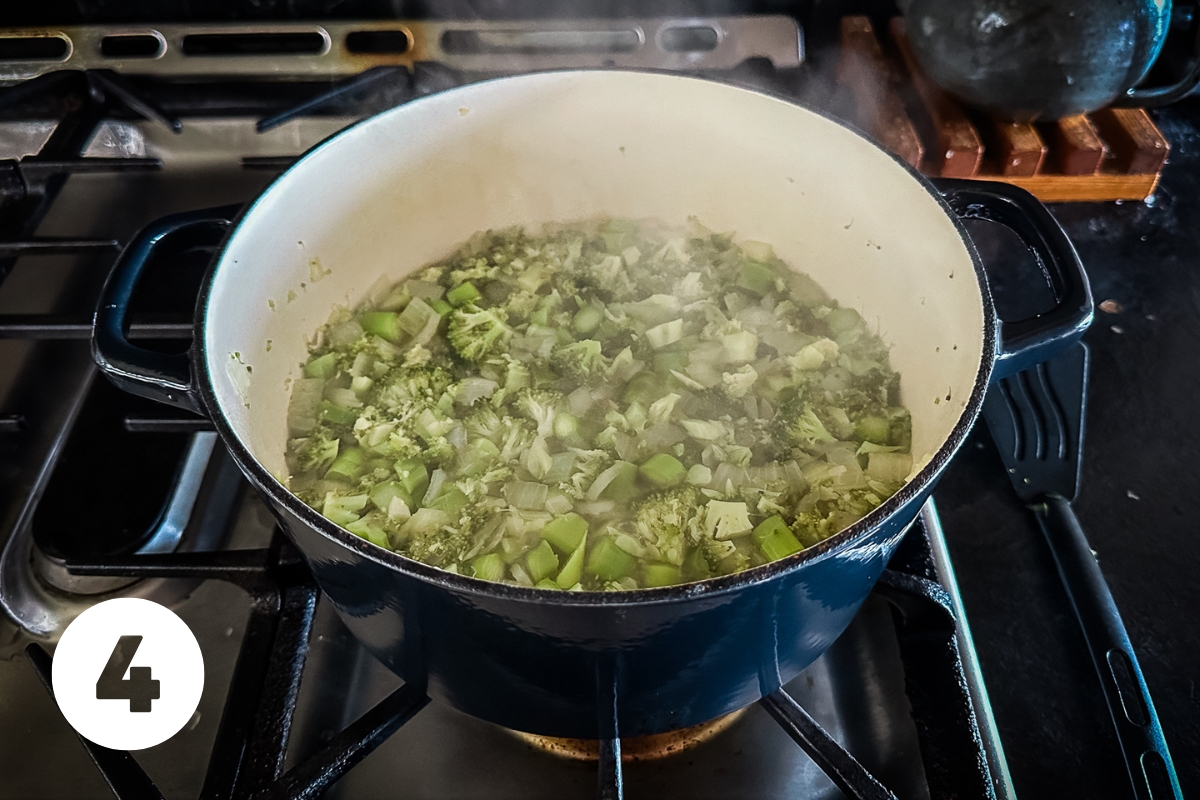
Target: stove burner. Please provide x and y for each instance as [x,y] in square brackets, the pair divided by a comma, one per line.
[639,748]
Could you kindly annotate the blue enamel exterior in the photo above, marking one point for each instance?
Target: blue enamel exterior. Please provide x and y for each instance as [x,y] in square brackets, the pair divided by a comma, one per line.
[528,663]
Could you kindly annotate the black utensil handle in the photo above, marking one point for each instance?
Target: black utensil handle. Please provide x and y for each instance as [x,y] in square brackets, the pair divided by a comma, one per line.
[167,378]
[1026,342]
[1145,750]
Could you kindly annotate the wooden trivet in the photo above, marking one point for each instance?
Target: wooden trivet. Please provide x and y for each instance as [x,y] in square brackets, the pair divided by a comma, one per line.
[1111,154]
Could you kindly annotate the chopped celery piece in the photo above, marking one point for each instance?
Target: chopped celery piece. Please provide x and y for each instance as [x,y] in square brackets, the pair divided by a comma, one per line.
[566,532]
[451,500]
[441,307]
[384,324]
[661,575]
[572,571]
[463,294]
[489,568]
[542,562]
[321,366]
[610,562]
[546,583]
[347,466]
[757,278]
[663,471]
[336,414]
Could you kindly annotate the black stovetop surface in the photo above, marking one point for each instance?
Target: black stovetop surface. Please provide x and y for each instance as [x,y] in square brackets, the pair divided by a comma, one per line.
[1141,479]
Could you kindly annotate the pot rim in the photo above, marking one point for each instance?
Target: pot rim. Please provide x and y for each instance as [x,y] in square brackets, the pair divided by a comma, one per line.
[276,492]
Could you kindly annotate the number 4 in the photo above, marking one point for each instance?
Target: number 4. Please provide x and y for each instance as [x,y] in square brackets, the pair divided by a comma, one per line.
[139,688]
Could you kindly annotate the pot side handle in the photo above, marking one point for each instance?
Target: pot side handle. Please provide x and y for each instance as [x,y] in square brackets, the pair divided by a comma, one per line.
[1026,342]
[167,378]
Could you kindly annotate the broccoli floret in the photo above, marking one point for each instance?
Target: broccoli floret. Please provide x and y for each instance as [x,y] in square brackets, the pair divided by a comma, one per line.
[318,449]
[429,537]
[581,361]
[474,332]
[833,512]
[408,389]
[663,517]
[541,406]
[588,464]
[797,424]
[484,422]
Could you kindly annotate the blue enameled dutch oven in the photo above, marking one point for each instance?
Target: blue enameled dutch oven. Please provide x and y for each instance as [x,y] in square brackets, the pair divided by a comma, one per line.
[407,186]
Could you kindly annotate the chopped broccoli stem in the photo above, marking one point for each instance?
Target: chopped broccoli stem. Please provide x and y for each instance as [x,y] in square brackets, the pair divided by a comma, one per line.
[452,501]
[347,466]
[329,412]
[546,583]
[542,562]
[412,477]
[321,366]
[610,562]
[463,294]
[663,471]
[384,324]
[566,532]
[490,567]
[775,539]
[572,571]
[441,307]
[661,575]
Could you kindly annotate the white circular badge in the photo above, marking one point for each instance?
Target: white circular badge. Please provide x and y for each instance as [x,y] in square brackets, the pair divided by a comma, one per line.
[128,674]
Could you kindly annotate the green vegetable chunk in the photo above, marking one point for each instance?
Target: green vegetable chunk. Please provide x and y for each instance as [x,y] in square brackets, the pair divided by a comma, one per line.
[542,562]
[321,366]
[775,539]
[566,532]
[609,561]
[663,471]
[490,567]
[384,324]
[463,294]
[347,466]
[572,571]
[662,574]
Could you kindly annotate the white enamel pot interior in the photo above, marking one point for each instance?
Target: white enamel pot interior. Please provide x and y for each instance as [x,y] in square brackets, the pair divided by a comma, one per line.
[408,186]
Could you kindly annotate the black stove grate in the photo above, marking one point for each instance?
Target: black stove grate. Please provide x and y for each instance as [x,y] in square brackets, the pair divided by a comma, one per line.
[247,759]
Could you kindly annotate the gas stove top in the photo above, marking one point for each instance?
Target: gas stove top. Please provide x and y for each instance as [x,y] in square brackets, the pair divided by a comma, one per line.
[104,495]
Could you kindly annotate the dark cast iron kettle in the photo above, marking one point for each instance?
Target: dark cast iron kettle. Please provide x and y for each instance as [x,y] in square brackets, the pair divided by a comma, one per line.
[1029,60]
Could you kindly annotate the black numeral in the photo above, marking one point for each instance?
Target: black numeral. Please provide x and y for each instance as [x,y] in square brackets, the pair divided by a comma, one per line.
[139,688]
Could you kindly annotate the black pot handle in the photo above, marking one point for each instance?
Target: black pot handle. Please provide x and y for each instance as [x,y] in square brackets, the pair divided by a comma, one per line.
[1026,342]
[1158,96]
[163,377]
